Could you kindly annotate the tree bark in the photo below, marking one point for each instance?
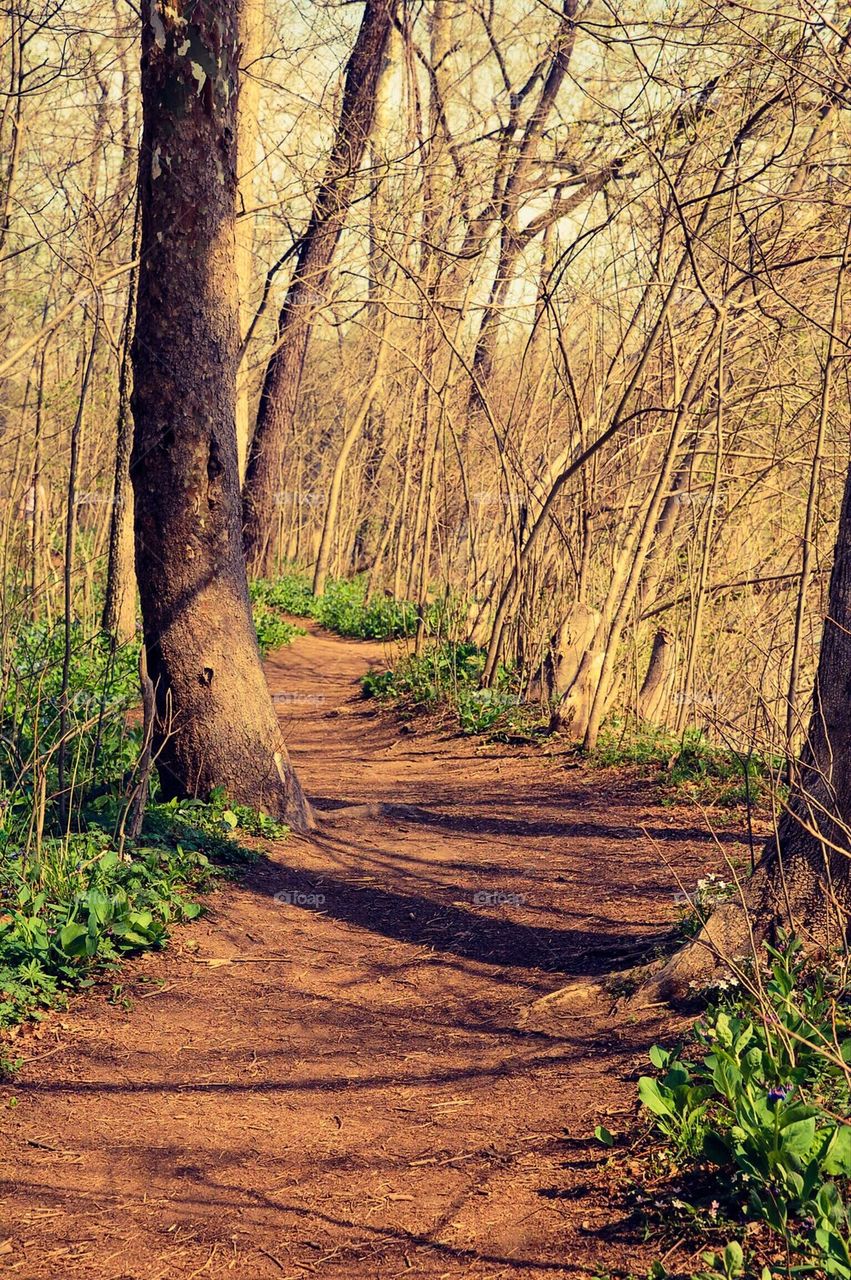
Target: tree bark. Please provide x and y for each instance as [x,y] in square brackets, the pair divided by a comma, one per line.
[807,545]
[279,397]
[656,688]
[119,609]
[561,663]
[332,509]
[251,28]
[215,722]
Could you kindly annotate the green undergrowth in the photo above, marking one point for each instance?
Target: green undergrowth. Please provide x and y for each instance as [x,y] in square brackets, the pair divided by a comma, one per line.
[77,904]
[447,676]
[103,686]
[747,1160]
[273,631]
[343,608]
[689,765]
[76,895]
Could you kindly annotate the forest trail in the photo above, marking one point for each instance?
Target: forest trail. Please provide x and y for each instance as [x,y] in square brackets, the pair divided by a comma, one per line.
[341,1088]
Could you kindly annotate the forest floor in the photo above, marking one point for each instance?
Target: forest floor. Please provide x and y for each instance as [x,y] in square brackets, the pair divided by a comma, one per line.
[355,1086]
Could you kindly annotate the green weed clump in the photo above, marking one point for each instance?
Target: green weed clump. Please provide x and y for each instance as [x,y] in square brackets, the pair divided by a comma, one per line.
[753,1113]
[273,631]
[690,763]
[710,892]
[343,608]
[448,674]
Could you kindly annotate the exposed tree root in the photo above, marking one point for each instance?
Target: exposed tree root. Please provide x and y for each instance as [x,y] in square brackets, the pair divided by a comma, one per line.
[800,893]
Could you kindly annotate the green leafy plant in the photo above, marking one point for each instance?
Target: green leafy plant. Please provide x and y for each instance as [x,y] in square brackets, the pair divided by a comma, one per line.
[55,927]
[449,673]
[273,631]
[764,1103]
[216,819]
[101,742]
[678,1100]
[711,891]
[342,608]
[724,1265]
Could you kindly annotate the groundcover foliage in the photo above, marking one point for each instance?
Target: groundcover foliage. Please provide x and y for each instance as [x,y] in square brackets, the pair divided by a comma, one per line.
[342,608]
[753,1112]
[448,673]
[75,893]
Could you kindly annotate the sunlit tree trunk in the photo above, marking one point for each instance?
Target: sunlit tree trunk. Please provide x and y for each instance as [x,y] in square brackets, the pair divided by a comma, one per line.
[251,27]
[807,547]
[332,507]
[215,722]
[655,690]
[119,610]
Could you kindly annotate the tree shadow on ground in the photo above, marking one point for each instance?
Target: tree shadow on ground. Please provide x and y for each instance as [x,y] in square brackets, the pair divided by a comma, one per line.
[522,828]
[451,928]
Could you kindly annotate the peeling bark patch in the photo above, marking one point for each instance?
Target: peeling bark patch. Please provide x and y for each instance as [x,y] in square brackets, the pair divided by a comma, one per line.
[157,26]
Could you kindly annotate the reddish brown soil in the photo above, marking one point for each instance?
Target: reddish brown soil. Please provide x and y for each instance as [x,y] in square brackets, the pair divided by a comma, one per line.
[344,1089]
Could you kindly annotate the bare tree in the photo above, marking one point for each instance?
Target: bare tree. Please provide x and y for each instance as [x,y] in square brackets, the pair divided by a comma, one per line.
[281,385]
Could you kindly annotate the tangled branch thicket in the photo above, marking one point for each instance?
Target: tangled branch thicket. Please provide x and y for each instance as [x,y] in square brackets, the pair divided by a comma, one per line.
[576,356]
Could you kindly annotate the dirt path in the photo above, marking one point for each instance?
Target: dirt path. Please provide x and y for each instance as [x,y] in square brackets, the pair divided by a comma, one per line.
[341,1089]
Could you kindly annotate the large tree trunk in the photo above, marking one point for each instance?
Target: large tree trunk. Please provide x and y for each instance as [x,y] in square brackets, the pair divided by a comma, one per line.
[560,666]
[279,397]
[803,880]
[215,722]
[252,14]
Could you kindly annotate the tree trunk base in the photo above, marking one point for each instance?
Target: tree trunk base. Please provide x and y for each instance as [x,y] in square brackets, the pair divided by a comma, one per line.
[722,945]
[791,895]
